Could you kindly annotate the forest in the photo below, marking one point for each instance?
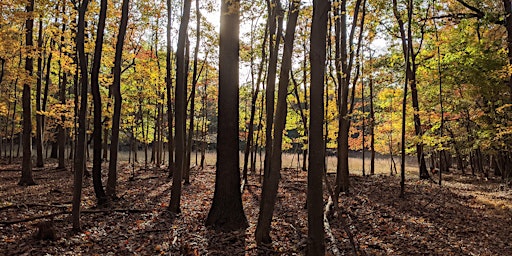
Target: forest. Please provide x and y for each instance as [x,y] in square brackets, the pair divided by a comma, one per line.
[323,127]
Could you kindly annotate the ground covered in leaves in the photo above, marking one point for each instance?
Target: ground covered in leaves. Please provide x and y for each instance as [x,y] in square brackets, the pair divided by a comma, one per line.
[468,215]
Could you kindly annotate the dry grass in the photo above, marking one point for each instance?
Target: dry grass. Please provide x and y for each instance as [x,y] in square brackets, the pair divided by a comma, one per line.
[294,161]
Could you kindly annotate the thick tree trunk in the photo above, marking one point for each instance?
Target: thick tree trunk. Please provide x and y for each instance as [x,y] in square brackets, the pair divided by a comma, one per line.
[116,92]
[226,212]
[316,236]
[271,182]
[26,165]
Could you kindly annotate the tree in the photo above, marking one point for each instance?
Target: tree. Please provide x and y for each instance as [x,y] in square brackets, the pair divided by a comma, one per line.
[79,160]
[275,12]
[180,110]
[271,182]
[116,92]
[344,62]
[26,165]
[316,244]
[226,212]
[168,83]
[95,90]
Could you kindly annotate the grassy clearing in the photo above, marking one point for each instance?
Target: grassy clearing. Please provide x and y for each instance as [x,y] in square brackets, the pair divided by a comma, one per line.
[294,161]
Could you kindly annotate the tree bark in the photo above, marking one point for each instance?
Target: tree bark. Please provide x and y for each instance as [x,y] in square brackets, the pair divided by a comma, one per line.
[226,212]
[181,98]
[116,92]
[96,95]
[271,182]
[79,160]
[39,117]
[275,12]
[195,77]
[168,82]
[26,165]
[316,236]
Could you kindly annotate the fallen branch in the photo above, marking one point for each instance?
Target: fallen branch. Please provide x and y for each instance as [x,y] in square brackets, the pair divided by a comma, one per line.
[355,247]
[18,206]
[11,222]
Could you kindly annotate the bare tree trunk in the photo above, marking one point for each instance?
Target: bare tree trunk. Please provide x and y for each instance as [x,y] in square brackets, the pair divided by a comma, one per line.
[79,160]
[62,96]
[255,94]
[372,121]
[195,77]
[95,89]
[26,165]
[168,82]
[39,117]
[316,236]
[226,212]
[271,182]
[275,12]
[116,92]
[180,98]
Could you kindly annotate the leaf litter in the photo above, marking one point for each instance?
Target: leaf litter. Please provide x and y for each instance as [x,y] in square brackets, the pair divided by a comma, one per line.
[465,216]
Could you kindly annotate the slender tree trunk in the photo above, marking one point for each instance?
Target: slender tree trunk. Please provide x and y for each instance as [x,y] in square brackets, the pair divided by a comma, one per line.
[180,98]
[255,94]
[226,212]
[39,117]
[62,96]
[372,120]
[316,237]
[116,92]
[26,165]
[271,182]
[79,160]
[195,77]
[406,51]
[275,12]
[168,82]
[95,89]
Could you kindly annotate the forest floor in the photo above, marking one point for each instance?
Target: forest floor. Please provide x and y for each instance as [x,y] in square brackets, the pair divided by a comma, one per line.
[468,215]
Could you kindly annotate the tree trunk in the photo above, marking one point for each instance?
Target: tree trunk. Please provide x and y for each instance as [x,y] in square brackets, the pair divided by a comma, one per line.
[372,121]
[95,89]
[316,243]
[116,92]
[168,82]
[39,117]
[62,96]
[226,212]
[275,12]
[26,165]
[255,94]
[79,161]
[271,182]
[507,4]
[406,48]
[181,98]
[195,78]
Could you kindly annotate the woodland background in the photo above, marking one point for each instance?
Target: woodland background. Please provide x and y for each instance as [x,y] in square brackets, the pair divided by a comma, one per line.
[220,96]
